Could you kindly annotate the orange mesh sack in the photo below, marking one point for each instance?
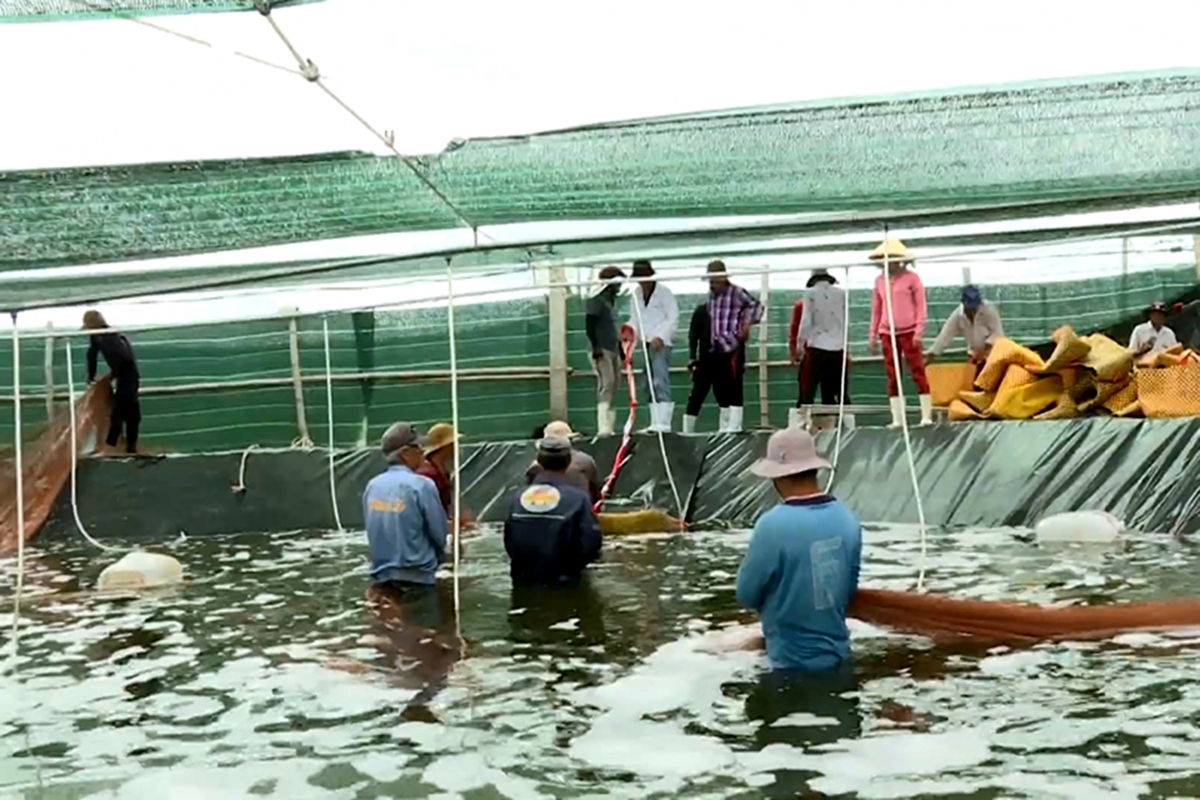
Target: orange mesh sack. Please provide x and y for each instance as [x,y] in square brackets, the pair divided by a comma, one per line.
[1015,377]
[1171,392]
[47,464]
[1121,399]
[1026,402]
[1109,360]
[1070,376]
[958,411]
[980,401]
[1064,408]
[1069,351]
[1104,391]
[947,380]
[1005,352]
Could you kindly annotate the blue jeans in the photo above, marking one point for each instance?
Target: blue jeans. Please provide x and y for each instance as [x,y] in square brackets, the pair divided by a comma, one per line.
[660,375]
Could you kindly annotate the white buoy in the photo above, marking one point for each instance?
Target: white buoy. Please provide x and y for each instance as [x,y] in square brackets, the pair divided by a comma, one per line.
[1085,527]
[141,570]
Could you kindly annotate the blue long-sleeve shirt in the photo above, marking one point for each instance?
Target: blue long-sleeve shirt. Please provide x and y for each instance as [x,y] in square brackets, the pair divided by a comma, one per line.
[550,533]
[406,526]
[800,573]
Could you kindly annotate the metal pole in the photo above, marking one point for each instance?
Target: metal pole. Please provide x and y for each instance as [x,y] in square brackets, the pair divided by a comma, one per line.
[557,299]
[764,400]
[297,381]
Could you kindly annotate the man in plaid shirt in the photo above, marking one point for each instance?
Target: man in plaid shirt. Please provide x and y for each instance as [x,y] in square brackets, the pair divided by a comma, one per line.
[732,311]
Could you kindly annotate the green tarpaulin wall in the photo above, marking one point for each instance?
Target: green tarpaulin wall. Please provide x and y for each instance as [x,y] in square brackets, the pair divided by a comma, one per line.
[1063,145]
[501,336]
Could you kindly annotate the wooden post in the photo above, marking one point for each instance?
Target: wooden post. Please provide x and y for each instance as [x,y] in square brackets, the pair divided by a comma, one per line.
[557,299]
[49,374]
[764,405]
[297,382]
[966,276]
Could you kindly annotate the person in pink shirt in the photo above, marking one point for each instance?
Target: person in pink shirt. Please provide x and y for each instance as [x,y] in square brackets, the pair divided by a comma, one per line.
[908,305]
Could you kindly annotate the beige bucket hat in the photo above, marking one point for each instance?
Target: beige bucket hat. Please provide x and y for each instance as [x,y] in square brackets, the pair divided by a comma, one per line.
[789,452]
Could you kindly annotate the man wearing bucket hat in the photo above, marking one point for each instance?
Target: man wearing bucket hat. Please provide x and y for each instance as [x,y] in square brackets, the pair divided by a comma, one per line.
[581,472]
[800,571]
[439,447]
[908,322]
[550,533]
[601,325]
[652,325]
[405,522]
[976,321]
[1153,336]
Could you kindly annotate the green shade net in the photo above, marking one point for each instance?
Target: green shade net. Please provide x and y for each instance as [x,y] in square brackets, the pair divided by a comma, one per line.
[1047,148]
[54,10]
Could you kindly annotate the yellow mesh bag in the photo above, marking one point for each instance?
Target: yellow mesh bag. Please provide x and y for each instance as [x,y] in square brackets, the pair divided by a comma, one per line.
[947,380]
[1134,409]
[1005,352]
[1122,398]
[1070,376]
[1016,376]
[980,401]
[1171,392]
[1109,360]
[1104,390]
[959,411]
[626,523]
[1026,402]
[1167,358]
[1069,350]
[1064,408]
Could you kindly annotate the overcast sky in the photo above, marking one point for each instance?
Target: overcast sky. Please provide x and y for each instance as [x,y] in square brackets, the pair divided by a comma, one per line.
[86,93]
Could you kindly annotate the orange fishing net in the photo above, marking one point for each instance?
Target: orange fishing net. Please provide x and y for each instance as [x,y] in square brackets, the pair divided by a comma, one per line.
[47,465]
[1015,623]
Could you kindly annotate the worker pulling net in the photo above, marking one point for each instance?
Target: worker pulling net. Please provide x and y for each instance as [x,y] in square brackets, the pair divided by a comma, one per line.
[47,464]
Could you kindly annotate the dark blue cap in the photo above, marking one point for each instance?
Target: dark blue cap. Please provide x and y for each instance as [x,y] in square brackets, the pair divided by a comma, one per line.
[971,297]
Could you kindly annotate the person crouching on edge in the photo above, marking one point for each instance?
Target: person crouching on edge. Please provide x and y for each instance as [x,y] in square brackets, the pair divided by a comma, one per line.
[800,571]
[550,533]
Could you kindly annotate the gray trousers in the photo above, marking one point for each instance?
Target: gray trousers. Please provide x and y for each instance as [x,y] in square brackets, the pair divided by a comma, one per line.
[608,372]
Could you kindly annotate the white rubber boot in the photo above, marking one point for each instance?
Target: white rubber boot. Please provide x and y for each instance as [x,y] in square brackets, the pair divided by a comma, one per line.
[689,424]
[735,419]
[660,416]
[723,420]
[794,418]
[604,424]
[897,405]
[848,421]
[926,409]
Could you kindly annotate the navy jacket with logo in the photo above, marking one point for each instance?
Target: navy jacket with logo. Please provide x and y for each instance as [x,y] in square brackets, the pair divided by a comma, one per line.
[550,533]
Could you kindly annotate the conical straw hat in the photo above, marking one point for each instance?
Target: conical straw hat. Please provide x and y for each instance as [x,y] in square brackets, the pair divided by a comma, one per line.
[892,250]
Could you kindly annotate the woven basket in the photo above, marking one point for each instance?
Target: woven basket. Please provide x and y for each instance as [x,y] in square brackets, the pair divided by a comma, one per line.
[1070,350]
[1005,352]
[1107,359]
[1171,392]
[947,380]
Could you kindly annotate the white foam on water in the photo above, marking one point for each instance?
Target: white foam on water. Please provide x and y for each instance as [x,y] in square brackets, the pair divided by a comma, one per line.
[857,766]
[467,772]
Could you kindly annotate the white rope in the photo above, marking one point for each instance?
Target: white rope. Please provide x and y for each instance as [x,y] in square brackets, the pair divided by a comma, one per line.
[75,460]
[337,514]
[241,484]
[841,417]
[456,506]
[912,464]
[662,445]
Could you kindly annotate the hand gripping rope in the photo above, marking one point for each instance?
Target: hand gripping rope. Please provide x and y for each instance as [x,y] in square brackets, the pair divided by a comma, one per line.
[626,436]
[912,464]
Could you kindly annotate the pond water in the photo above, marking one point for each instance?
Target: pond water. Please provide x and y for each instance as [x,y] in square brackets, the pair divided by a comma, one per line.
[266,677]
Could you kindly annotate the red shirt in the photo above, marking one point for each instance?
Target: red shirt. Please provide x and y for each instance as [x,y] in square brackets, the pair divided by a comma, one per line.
[442,482]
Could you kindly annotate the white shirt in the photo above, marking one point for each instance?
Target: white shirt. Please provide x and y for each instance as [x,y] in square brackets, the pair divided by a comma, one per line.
[984,330]
[823,323]
[1147,340]
[660,315]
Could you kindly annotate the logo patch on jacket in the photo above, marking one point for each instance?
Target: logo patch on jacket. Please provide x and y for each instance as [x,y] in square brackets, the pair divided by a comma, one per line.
[540,498]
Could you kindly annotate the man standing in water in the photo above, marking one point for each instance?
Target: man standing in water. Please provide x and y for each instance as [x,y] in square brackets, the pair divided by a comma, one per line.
[601,325]
[731,312]
[655,316]
[439,447]
[118,354]
[551,534]
[800,571]
[405,522]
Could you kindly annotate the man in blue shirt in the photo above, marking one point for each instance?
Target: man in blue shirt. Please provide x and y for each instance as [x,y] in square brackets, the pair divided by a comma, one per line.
[551,534]
[403,514]
[801,569]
